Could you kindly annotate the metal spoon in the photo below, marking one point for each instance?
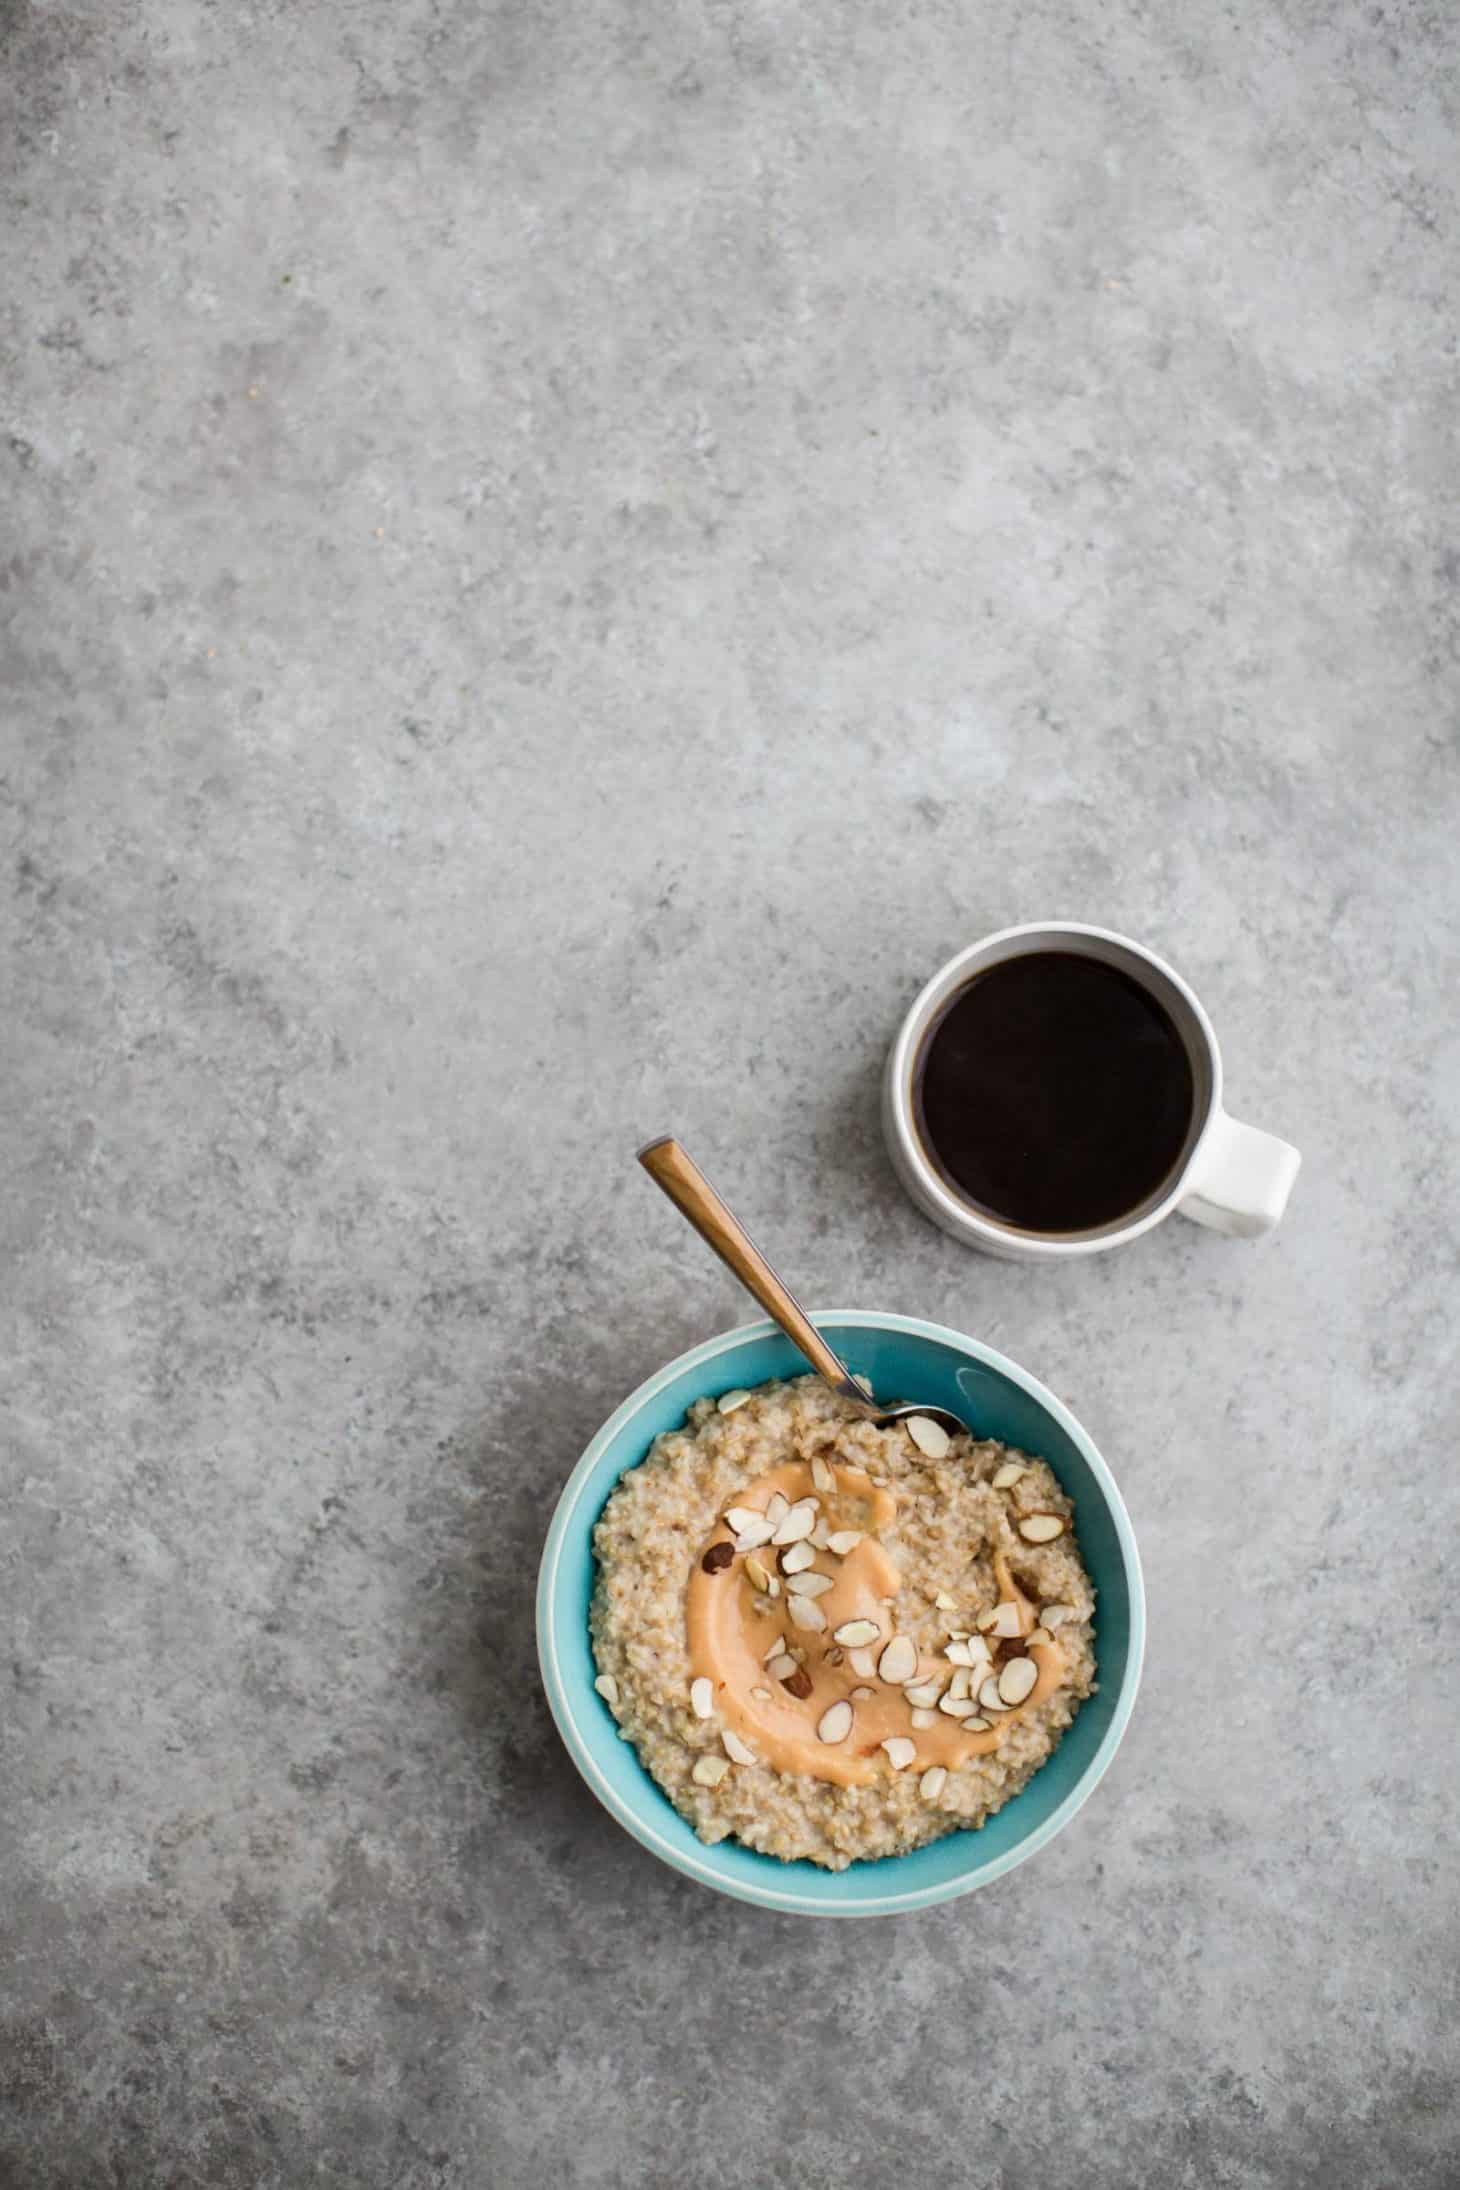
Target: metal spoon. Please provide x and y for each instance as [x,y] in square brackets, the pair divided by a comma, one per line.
[671,1168]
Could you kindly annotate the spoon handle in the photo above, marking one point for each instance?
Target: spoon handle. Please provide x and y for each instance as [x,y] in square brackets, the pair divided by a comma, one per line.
[673,1169]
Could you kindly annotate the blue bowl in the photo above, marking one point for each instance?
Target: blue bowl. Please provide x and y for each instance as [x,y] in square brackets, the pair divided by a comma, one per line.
[903,1356]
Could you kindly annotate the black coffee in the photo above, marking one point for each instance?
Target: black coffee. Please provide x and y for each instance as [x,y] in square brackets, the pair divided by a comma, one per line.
[1054,1093]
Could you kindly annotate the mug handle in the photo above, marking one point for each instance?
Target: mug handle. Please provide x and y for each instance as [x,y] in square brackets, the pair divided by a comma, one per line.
[1241,1179]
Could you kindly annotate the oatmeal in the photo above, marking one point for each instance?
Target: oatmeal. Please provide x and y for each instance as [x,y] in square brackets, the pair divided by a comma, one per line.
[834,1641]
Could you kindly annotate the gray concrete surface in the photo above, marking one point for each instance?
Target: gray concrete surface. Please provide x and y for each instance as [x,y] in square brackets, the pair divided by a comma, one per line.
[556,560]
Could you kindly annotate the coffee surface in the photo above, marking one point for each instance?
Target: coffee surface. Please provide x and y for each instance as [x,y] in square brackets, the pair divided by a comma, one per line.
[1054,1093]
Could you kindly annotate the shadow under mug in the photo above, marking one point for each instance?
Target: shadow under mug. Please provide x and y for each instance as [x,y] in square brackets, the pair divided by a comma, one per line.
[1229,1176]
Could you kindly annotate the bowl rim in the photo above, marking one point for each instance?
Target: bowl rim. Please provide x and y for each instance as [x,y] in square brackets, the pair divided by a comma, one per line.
[788,1901]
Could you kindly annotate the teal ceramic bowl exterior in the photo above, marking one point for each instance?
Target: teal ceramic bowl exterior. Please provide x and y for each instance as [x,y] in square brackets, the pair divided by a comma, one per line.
[902,1356]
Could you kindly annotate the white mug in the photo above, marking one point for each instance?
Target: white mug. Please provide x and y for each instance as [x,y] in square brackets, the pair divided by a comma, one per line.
[1229,1176]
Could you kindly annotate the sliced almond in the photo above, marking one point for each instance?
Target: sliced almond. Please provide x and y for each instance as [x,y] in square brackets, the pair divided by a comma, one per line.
[1041,1528]
[777,1506]
[702,1697]
[929,1436]
[751,1539]
[835,1725]
[989,1698]
[900,1751]
[1008,1475]
[796,1556]
[805,1612]
[1036,1636]
[862,1663]
[729,1401]
[757,1575]
[1016,1680]
[1007,1620]
[856,1634]
[809,1584]
[821,1534]
[923,1694]
[962,1681]
[607,1687]
[957,1653]
[777,1650]
[737,1750]
[978,1651]
[975,1726]
[821,1474]
[761,1695]
[835,1654]
[1057,1615]
[709,1771]
[773,1587]
[845,1540]
[986,1620]
[899,1661]
[798,1521]
[740,1517]
[922,1720]
[956,1707]
[860,1695]
[944,1602]
[932,1783]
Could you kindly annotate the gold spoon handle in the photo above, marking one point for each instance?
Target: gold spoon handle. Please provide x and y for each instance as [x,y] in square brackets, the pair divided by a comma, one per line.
[681,1178]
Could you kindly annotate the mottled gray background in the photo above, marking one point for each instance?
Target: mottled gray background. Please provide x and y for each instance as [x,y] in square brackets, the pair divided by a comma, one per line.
[557,559]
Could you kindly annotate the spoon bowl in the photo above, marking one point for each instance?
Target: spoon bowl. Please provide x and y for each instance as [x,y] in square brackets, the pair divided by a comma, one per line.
[674,1170]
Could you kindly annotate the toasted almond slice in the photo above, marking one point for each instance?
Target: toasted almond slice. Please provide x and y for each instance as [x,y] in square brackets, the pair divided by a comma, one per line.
[862,1663]
[821,1534]
[986,1620]
[1057,1615]
[899,1661]
[929,1436]
[796,1556]
[821,1474]
[900,1751]
[777,1506]
[776,1648]
[989,1698]
[962,1681]
[729,1401]
[978,1651]
[751,1539]
[944,1602]
[809,1584]
[797,1522]
[922,1720]
[835,1725]
[835,1654]
[780,1665]
[805,1612]
[773,1587]
[856,1634]
[975,1726]
[1036,1636]
[845,1540]
[1006,1620]
[932,1783]
[761,1695]
[956,1707]
[607,1687]
[709,1771]
[1016,1679]
[702,1697]
[1041,1528]
[740,1517]
[757,1575]
[860,1695]
[924,1694]
[957,1653]
[1008,1475]
[737,1750]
